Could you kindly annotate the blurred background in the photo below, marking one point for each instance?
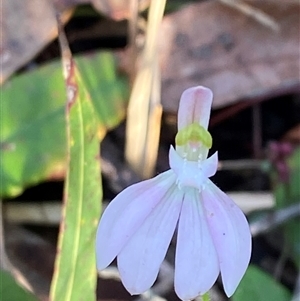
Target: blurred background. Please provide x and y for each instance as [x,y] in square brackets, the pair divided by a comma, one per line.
[135,67]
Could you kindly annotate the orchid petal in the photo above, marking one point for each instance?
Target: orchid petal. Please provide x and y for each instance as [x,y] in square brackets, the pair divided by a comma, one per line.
[195,106]
[192,173]
[140,259]
[196,262]
[126,213]
[231,235]
[210,165]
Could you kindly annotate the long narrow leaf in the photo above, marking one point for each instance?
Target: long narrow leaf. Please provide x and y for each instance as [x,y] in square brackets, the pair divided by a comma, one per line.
[75,273]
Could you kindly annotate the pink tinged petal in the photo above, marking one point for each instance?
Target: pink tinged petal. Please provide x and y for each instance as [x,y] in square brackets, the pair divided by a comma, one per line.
[126,213]
[195,105]
[230,231]
[140,259]
[209,166]
[192,173]
[196,262]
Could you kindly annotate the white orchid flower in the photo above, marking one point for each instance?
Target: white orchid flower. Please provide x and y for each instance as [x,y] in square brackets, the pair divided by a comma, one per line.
[213,233]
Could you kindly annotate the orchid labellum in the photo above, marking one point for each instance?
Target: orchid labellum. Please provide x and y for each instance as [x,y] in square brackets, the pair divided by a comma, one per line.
[213,233]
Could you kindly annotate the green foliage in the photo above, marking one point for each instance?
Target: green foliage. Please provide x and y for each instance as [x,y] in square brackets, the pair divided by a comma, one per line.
[32,123]
[205,297]
[287,194]
[75,267]
[10,290]
[259,286]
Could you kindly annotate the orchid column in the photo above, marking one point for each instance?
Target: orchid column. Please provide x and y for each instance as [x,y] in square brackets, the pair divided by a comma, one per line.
[213,233]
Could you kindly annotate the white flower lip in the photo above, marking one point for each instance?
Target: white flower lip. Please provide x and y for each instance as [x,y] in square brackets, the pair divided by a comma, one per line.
[213,233]
[192,173]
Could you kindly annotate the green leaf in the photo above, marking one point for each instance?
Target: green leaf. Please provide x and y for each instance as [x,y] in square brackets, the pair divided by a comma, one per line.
[32,137]
[75,267]
[205,297]
[10,290]
[109,93]
[287,194]
[259,286]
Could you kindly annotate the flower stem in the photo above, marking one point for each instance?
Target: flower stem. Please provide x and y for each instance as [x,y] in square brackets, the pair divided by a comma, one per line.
[205,297]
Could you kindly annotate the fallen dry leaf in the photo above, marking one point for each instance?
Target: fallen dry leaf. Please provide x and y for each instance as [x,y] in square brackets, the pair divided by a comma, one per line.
[117,9]
[217,46]
[28,26]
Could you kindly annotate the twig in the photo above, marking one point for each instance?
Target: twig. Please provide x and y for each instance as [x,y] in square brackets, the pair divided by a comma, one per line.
[5,263]
[243,164]
[110,272]
[23,247]
[253,12]
[252,201]
[151,294]
[49,213]
[273,219]
[42,213]
[144,109]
